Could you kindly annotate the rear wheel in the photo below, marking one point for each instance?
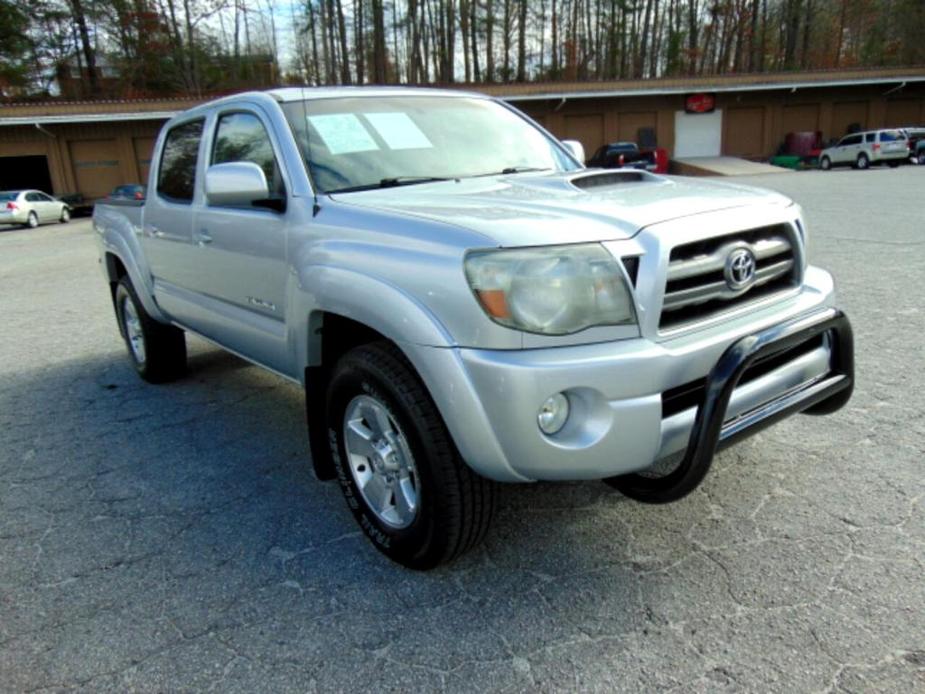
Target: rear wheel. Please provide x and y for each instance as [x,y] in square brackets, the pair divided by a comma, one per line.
[157,351]
[65,215]
[862,161]
[396,464]
[825,163]
[32,221]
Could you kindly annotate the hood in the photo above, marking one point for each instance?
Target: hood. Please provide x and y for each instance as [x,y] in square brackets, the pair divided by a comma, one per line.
[573,207]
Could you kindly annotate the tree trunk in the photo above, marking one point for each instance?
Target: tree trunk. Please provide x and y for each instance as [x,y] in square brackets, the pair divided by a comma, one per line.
[474,40]
[522,42]
[693,24]
[342,30]
[80,18]
[489,41]
[464,30]
[554,58]
[379,52]
[641,64]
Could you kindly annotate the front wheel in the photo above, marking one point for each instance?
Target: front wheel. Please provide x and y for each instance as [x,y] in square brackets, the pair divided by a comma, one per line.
[825,163]
[396,464]
[157,351]
[921,158]
[862,162]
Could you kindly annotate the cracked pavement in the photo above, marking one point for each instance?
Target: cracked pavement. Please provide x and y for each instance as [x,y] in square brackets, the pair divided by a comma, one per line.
[172,538]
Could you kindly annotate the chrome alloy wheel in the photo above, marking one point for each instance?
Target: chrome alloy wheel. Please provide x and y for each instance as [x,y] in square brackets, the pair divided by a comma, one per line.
[381,462]
[136,338]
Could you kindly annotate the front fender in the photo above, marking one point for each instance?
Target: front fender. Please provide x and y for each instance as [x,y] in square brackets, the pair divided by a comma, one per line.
[372,301]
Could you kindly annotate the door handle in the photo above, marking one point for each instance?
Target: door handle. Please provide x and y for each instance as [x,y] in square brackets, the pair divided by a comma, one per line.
[155,232]
[203,238]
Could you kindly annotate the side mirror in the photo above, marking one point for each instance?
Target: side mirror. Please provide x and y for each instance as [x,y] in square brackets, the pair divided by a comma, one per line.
[236,184]
[576,149]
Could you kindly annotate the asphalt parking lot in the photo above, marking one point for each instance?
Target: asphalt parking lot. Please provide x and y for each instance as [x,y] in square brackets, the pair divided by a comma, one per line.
[173,539]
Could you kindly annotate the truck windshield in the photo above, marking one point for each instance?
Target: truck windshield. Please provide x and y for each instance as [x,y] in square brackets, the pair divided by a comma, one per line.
[357,143]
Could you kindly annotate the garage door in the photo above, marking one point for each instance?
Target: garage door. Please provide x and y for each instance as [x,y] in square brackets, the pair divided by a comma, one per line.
[698,134]
[96,167]
[588,130]
[900,112]
[847,113]
[743,134]
[798,118]
[144,149]
[628,125]
[25,172]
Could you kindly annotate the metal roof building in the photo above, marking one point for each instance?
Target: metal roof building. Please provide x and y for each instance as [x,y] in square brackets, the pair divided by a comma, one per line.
[89,147]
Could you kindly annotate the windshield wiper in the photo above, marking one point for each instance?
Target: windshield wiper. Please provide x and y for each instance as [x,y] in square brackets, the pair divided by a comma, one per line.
[513,170]
[393,182]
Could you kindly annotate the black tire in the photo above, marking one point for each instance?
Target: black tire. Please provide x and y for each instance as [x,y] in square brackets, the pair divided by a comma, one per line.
[65,215]
[921,158]
[825,163]
[862,162]
[32,221]
[164,346]
[455,504]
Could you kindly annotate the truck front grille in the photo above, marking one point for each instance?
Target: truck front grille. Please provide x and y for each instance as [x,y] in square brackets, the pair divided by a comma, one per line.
[696,287]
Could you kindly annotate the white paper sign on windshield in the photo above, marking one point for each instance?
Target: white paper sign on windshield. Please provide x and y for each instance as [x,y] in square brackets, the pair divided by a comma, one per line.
[398,130]
[343,133]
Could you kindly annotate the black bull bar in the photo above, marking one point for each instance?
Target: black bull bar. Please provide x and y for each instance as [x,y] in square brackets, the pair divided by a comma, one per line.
[711,432]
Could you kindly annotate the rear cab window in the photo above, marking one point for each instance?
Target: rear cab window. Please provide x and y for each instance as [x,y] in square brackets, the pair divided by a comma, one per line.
[176,175]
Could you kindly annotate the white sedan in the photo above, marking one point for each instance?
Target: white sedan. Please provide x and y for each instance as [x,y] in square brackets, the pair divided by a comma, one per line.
[31,208]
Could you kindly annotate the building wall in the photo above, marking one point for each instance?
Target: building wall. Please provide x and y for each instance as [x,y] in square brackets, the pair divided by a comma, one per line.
[754,123]
[87,159]
[91,159]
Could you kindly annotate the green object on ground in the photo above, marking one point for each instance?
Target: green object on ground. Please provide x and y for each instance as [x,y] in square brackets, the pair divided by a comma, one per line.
[788,161]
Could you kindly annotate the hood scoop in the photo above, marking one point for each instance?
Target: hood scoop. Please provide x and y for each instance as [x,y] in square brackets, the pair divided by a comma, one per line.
[608,179]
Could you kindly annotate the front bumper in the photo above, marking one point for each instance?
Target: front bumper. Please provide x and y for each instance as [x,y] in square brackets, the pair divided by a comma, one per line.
[617,390]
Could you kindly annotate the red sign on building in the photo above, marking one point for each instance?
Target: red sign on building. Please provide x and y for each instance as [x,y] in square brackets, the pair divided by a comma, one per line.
[700,103]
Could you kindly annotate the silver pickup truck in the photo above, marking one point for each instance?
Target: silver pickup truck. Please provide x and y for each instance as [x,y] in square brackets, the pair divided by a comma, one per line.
[465,303]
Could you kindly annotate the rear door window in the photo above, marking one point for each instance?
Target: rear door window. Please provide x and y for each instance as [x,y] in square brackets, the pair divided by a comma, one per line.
[869,137]
[176,176]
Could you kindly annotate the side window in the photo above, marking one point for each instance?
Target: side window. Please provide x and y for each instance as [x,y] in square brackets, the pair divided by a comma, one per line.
[45,198]
[176,176]
[31,197]
[869,137]
[242,137]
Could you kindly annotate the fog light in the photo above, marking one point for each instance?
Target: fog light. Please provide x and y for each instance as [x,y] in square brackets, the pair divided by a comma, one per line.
[553,414]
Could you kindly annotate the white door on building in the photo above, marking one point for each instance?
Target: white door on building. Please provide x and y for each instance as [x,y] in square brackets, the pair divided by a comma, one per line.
[698,134]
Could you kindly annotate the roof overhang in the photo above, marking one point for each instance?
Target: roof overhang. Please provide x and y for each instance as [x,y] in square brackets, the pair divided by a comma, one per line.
[700,87]
[87,118]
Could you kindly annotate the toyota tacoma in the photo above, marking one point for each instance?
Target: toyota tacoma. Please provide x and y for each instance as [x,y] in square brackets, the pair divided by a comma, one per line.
[464,303]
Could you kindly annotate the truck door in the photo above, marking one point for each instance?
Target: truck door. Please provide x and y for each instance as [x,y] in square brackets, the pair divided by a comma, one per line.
[168,219]
[240,252]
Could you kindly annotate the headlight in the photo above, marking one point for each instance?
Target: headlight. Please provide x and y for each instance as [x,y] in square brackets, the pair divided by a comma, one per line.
[554,290]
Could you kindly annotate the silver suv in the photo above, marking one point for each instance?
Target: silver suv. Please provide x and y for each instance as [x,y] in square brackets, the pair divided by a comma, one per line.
[861,150]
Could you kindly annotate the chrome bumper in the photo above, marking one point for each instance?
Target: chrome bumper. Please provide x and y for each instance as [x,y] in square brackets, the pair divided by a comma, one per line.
[619,423]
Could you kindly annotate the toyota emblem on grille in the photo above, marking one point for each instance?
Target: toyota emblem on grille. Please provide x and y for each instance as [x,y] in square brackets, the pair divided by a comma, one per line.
[740,269]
